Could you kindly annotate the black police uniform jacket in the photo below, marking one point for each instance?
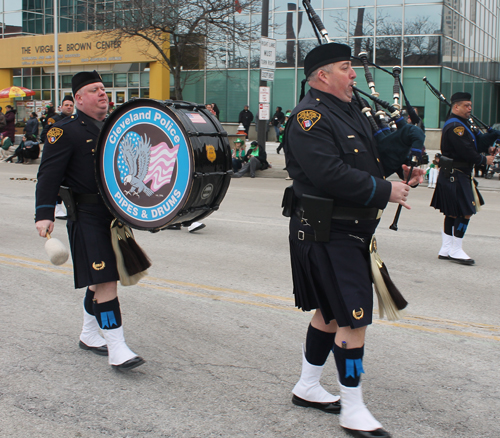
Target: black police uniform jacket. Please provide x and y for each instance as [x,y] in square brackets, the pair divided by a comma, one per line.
[68,159]
[455,196]
[330,152]
[49,122]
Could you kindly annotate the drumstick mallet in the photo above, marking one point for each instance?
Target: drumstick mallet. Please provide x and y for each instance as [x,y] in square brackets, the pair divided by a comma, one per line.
[394,225]
[57,252]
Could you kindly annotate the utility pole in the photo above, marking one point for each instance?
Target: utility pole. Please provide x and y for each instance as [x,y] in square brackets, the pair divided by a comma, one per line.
[262,124]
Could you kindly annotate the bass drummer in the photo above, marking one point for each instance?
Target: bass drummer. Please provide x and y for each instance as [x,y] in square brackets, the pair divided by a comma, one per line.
[68,160]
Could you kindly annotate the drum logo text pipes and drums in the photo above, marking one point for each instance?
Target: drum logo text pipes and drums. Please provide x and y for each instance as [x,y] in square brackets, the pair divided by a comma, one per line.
[146,165]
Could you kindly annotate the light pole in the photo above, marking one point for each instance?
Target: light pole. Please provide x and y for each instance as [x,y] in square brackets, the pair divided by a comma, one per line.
[262,124]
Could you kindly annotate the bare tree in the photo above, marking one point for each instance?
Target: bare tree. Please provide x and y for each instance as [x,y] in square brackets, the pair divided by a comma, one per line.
[184,33]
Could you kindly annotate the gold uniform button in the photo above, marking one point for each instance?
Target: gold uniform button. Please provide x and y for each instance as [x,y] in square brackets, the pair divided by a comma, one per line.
[378,160]
[317,99]
[93,150]
[356,151]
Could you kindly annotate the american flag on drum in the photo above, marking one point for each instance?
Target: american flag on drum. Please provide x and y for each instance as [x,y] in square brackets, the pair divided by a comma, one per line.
[161,165]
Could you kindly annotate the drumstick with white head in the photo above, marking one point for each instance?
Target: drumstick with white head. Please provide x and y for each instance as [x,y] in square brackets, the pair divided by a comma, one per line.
[57,252]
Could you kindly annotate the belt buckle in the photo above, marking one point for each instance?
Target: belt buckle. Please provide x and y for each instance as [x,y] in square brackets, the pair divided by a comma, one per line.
[301,235]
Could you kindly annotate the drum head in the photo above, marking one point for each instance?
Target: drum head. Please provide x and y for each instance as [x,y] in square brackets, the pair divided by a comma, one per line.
[144,164]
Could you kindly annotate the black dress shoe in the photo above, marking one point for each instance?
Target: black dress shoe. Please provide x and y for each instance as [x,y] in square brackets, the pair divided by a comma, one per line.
[101,351]
[377,433]
[330,408]
[174,227]
[468,262]
[129,364]
[443,257]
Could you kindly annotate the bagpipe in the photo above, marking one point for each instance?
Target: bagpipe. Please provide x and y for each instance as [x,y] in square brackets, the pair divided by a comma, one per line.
[484,139]
[398,142]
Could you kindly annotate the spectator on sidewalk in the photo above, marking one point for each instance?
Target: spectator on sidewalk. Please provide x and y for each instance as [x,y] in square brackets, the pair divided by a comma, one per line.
[245,118]
[277,121]
[31,127]
[10,120]
[255,159]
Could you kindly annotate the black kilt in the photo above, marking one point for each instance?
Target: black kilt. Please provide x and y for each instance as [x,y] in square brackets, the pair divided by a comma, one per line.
[94,261]
[455,198]
[334,276]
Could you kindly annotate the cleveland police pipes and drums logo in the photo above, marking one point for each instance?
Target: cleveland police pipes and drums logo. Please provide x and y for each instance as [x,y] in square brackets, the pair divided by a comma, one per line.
[145,165]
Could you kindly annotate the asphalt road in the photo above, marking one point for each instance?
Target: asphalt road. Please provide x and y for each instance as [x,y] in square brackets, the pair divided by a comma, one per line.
[215,320]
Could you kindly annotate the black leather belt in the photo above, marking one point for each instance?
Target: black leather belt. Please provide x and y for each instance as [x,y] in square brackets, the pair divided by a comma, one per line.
[462,164]
[349,213]
[87,198]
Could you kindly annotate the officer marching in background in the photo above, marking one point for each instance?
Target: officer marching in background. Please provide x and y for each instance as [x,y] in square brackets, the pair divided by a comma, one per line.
[68,159]
[67,108]
[456,195]
[339,192]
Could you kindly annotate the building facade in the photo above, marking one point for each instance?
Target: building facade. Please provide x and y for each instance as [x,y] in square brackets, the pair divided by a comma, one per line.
[454,43]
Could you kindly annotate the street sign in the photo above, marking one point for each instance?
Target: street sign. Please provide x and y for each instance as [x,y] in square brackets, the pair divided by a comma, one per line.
[264,113]
[267,75]
[267,53]
[264,95]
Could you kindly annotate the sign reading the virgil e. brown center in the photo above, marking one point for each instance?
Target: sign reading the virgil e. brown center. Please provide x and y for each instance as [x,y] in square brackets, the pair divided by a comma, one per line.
[73,49]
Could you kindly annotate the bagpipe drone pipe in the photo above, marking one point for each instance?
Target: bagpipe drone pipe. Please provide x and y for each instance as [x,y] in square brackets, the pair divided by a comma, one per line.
[484,139]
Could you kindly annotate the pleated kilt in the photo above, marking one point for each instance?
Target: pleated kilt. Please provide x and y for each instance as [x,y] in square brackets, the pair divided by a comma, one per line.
[94,261]
[455,198]
[334,276]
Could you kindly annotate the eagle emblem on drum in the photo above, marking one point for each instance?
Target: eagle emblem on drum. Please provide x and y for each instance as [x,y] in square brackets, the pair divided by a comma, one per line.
[140,163]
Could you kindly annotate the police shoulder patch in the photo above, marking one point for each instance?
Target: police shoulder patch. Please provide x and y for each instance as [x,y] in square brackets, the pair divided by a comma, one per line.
[459,130]
[54,134]
[51,121]
[307,119]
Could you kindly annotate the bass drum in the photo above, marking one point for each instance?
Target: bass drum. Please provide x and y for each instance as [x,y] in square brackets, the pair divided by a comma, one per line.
[160,163]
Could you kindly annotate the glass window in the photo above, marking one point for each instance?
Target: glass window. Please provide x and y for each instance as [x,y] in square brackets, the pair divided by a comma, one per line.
[388,51]
[285,53]
[428,20]
[107,80]
[120,79]
[133,79]
[389,20]
[66,81]
[47,82]
[17,81]
[361,22]
[46,95]
[422,50]
[133,93]
[145,79]
[359,45]
[304,47]
[336,23]
[37,82]
[282,93]
[285,25]
[145,93]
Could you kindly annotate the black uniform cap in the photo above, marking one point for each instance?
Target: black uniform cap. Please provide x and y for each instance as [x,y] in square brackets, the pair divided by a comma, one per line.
[68,97]
[325,54]
[460,97]
[84,78]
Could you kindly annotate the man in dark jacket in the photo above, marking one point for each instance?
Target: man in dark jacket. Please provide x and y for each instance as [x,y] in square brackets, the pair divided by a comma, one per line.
[245,118]
[277,121]
[31,127]
[332,157]
[68,159]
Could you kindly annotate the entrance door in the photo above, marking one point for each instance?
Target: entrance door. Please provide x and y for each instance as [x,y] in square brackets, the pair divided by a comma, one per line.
[120,97]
